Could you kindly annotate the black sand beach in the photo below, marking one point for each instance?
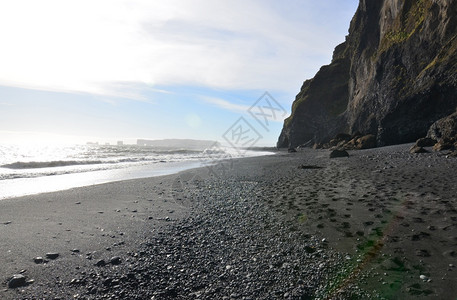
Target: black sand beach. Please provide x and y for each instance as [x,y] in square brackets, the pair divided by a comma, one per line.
[380,224]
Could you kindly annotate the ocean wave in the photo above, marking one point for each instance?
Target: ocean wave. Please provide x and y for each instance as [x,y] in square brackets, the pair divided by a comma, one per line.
[49,164]
[66,163]
[177,151]
[24,175]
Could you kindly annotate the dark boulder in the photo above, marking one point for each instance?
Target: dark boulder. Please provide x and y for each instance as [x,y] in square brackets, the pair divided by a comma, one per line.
[52,255]
[339,153]
[116,260]
[425,142]
[18,280]
[453,154]
[416,149]
[366,142]
[317,146]
[100,263]
[39,260]
[444,144]
[445,128]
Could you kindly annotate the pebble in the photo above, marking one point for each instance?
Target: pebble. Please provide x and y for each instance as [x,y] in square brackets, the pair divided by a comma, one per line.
[52,255]
[183,259]
[116,260]
[100,263]
[38,260]
[16,281]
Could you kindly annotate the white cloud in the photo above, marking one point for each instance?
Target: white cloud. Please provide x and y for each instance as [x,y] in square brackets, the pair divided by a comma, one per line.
[94,45]
[224,104]
[242,109]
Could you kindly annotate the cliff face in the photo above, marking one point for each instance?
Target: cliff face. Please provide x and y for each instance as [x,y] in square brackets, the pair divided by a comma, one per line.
[394,76]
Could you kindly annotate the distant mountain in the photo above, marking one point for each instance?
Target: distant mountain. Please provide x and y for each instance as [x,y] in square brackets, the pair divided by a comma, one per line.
[179,143]
[393,77]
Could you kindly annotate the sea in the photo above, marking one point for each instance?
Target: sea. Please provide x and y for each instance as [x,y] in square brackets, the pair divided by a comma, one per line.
[34,169]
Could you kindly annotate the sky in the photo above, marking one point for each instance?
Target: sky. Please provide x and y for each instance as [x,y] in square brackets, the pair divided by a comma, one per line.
[109,70]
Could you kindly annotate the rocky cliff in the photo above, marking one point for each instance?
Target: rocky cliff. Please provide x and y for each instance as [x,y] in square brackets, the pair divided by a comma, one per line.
[393,77]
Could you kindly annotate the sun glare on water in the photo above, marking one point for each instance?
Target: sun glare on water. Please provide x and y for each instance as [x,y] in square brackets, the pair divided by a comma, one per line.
[40,139]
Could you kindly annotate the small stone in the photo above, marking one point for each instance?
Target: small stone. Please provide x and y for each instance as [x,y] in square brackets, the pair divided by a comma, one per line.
[38,260]
[75,251]
[16,281]
[52,255]
[423,253]
[339,153]
[100,263]
[116,260]
[423,277]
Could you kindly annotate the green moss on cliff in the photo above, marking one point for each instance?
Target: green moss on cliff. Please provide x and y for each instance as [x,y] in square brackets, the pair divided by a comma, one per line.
[405,25]
[301,97]
[327,91]
[444,56]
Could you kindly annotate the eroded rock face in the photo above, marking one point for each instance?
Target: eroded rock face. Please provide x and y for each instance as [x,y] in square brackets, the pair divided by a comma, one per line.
[348,142]
[442,135]
[445,128]
[393,77]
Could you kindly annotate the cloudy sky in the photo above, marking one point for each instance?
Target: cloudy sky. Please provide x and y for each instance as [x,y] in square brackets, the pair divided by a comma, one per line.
[107,70]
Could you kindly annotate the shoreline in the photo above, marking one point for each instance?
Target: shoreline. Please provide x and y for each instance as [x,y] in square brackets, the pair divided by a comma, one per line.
[14,188]
[387,217]
[19,187]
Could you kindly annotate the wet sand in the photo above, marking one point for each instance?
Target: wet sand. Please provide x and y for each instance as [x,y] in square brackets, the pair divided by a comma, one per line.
[377,225]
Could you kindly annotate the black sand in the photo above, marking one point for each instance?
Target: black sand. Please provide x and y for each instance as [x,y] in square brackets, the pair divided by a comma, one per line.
[380,224]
